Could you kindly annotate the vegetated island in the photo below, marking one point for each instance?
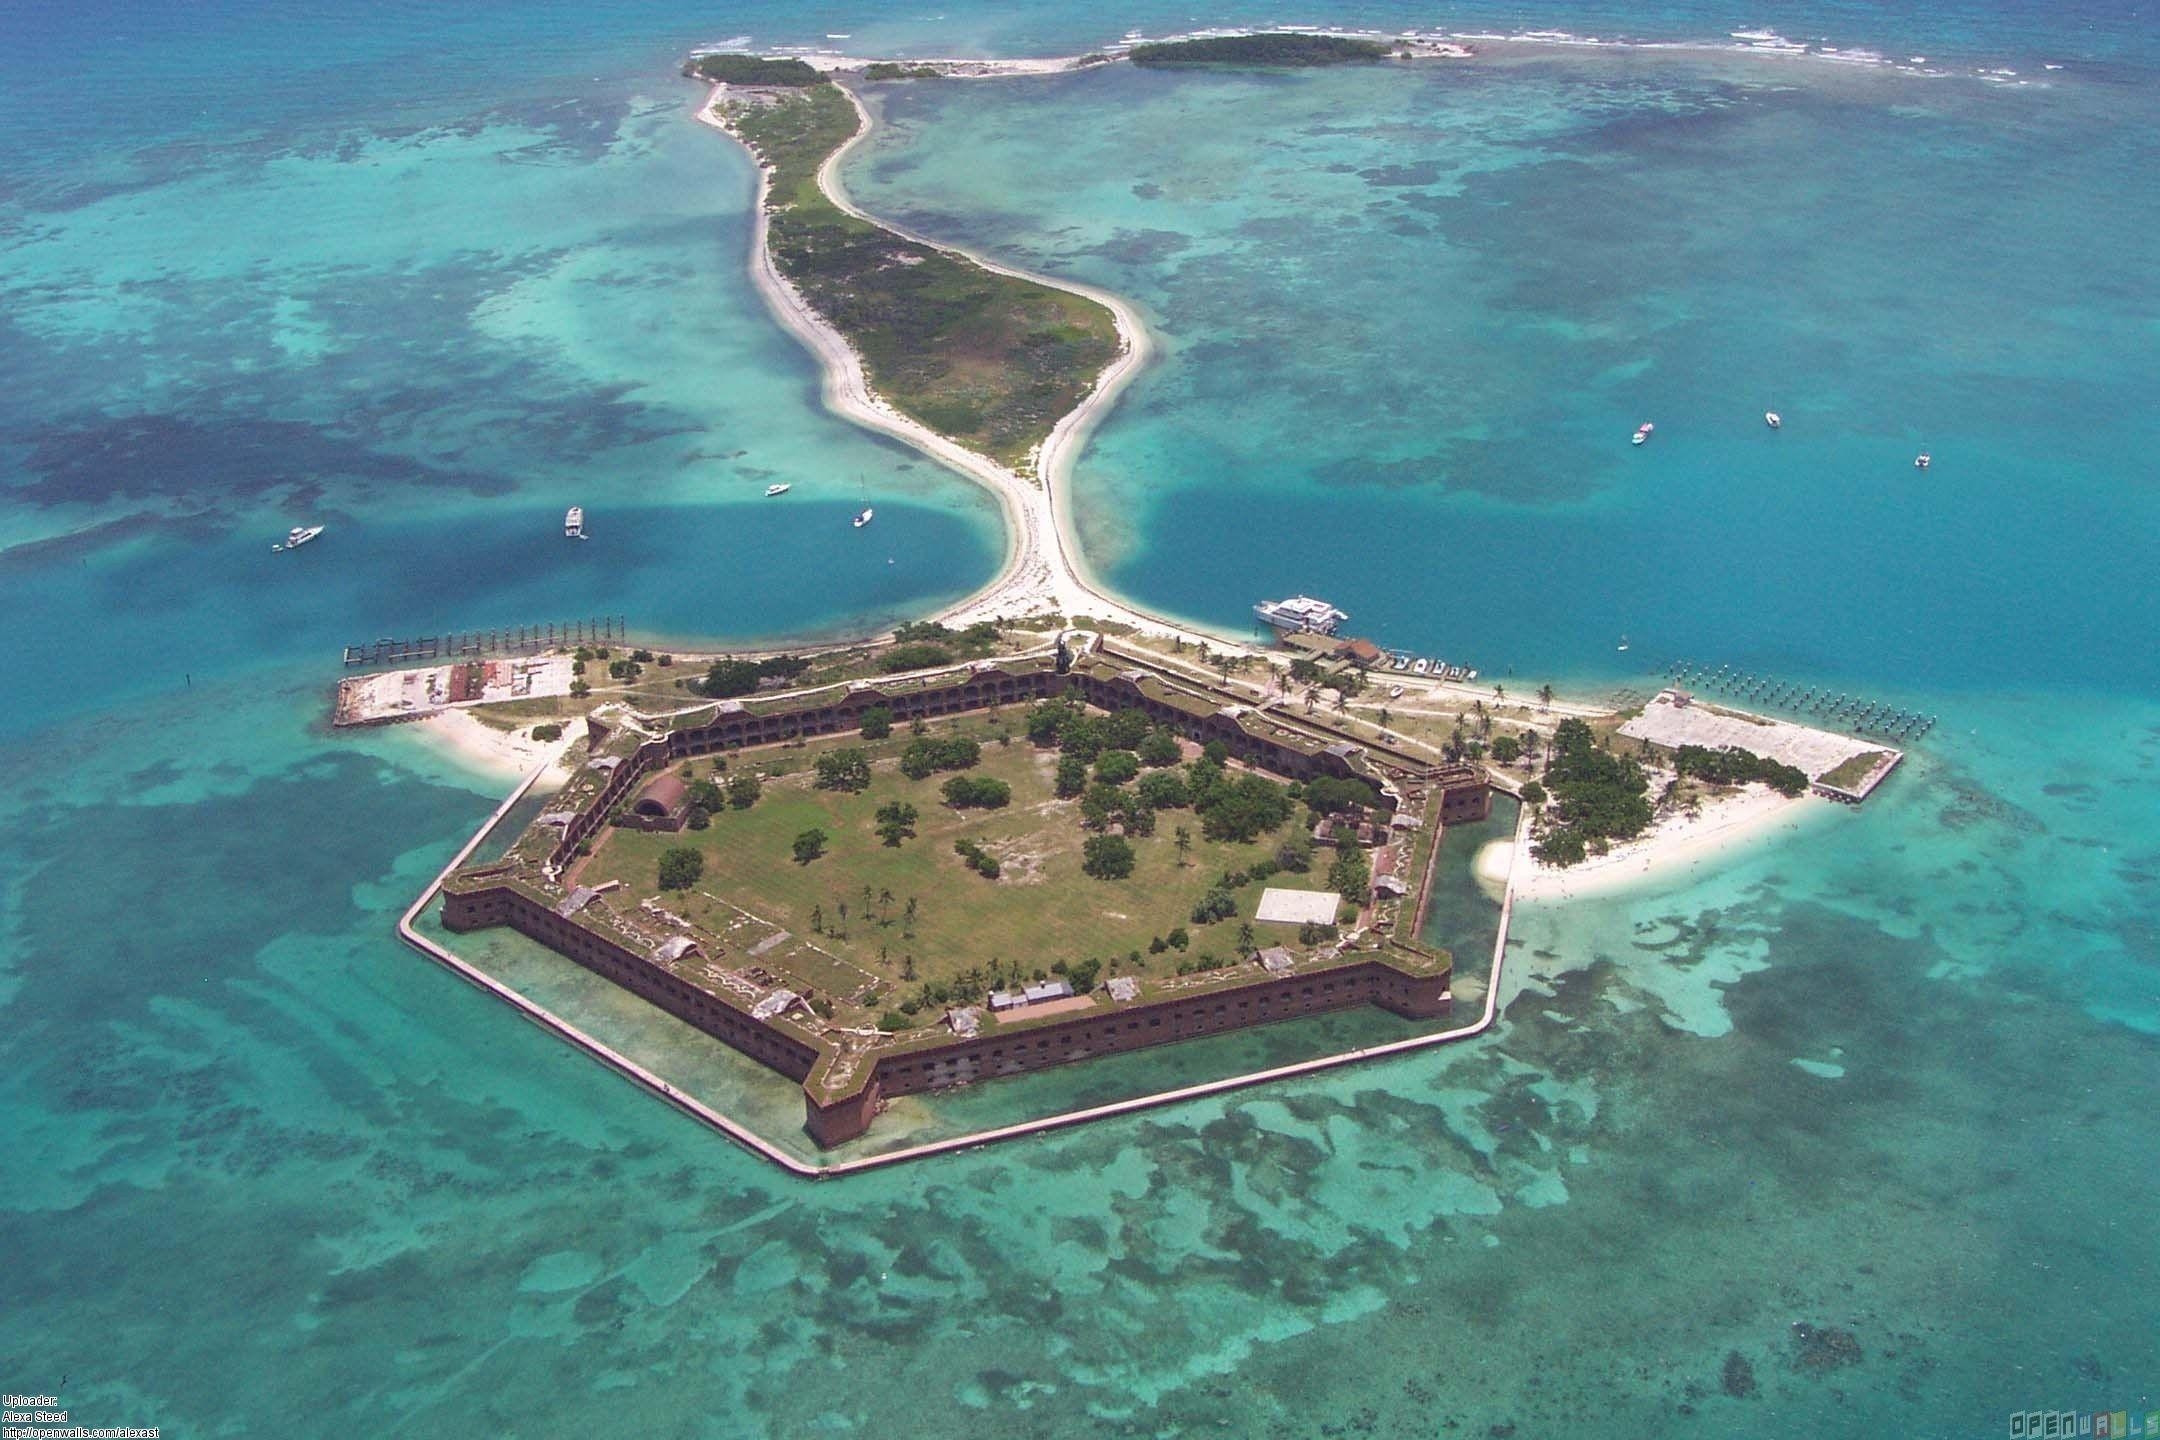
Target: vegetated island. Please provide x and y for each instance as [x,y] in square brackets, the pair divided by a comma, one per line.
[990,360]
[1285,48]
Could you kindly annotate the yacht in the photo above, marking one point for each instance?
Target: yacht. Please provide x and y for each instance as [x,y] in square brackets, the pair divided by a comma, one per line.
[1420,666]
[1300,612]
[1771,418]
[772,490]
[573,523]
[1923,460]
[864,518]
[296,537]
[1642,432]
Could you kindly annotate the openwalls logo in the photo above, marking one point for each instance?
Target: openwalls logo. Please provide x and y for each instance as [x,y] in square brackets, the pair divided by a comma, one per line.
[2073,1424]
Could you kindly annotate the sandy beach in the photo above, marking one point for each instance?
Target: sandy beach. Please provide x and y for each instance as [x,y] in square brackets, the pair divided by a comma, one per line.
[1677,849]
[509,755]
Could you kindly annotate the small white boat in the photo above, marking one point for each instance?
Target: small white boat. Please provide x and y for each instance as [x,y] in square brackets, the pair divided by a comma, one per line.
[1772,419]
[1419,667]
[772,490]
[1642,433]
[573,523]
[1923,460]
[296,537]
[1394,692]
[1623,642]
[864,518]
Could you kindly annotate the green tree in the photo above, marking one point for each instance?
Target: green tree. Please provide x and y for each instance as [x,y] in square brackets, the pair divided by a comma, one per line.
[1506,749]
[680,867]
[808,846]
[1115,767]
[1160,748]
[1351,875]
[1245,937]
[896,822]
[727,678]
[1544,696]
[1533,794]
[1182,838]
[1072,776]
[1107,857]
[877,722]
[743,790]
[847,769]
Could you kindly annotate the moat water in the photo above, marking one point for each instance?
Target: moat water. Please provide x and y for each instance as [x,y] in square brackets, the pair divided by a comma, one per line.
[431,278]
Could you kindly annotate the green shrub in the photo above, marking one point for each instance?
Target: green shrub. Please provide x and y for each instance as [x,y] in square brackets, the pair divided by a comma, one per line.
[680,867]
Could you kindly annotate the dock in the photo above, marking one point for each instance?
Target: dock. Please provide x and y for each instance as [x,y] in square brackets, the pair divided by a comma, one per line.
[515,640]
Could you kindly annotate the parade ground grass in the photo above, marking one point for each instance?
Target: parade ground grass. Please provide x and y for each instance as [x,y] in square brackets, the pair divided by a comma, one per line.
[1043,908]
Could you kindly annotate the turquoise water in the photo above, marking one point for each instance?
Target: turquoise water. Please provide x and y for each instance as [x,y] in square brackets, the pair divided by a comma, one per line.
[432,276]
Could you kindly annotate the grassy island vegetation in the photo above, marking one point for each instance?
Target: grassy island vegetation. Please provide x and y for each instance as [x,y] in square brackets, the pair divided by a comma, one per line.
[1280,47]
[988,360]
[753,70]
[892,70]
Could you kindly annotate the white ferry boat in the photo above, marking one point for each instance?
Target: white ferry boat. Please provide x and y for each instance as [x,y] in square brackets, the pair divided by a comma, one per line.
[296,537]
[1300,612]
[772,490]
[573,523]
[864,518]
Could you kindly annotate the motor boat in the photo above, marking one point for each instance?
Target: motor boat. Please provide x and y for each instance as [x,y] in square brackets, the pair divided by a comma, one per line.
[1643,433]
[1771,418]
[573,523]
[864,518]
[1419,667]
[296,537]
[1923,460]
[772,490]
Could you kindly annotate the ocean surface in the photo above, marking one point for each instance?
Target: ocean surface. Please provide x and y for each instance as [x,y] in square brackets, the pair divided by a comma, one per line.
[1856,1135]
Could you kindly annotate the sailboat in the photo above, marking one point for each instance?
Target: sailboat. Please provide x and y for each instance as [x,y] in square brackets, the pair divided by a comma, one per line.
[1623,642]
[865,518]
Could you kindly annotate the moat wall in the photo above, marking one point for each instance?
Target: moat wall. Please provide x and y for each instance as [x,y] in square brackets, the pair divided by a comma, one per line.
[1015,1051]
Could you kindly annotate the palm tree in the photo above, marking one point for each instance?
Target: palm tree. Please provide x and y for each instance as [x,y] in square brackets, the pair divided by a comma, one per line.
[1499,692]
[1245,938]
[1544,696]
[842,908]
[1383,719]
[884,907]
[1342,703]
[1183,840]
[907,920]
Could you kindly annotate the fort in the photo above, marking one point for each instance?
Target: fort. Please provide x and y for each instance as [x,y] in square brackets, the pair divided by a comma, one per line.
[804,1008]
